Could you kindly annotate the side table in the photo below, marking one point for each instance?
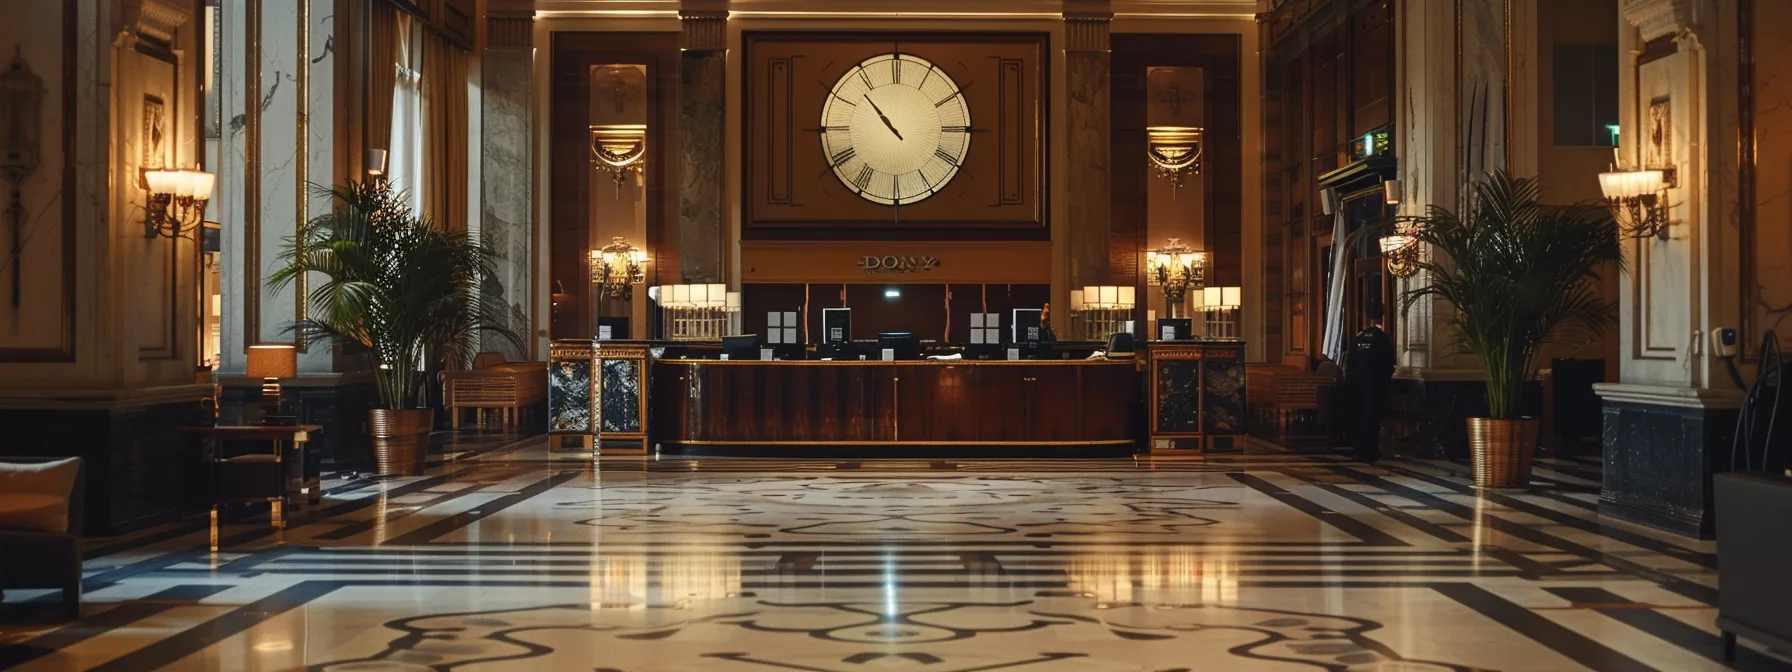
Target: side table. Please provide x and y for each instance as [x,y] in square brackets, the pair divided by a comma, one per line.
[279,476]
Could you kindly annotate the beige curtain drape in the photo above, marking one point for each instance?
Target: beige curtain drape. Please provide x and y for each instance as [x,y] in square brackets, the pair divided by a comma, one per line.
[445,132]
[382,75]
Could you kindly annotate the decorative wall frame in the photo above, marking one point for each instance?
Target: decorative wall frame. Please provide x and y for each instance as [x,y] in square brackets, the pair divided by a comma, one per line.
[1658,145]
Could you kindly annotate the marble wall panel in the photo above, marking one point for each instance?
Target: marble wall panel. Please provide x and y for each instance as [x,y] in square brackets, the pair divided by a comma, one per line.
[1772,248]
[36,36]
[1088,191]
[1482,78]
[702,168]
[507,158]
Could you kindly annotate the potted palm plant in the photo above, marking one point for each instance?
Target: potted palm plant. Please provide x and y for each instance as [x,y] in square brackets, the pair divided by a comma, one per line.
[400,291]
[1520,275]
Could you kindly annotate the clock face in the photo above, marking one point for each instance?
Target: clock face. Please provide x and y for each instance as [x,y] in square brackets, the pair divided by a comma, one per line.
[895,129]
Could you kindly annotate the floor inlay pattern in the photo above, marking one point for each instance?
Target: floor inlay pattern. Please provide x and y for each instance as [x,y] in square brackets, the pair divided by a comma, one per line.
[511,557]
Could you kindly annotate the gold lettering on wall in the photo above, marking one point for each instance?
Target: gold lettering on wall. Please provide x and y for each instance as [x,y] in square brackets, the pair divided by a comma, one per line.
[891,263]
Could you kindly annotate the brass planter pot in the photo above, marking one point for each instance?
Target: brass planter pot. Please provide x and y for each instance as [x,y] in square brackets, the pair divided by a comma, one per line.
[400,439]
[1502,451]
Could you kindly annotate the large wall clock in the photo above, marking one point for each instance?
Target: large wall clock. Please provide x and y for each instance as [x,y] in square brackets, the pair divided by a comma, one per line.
[894,136]
[895,129]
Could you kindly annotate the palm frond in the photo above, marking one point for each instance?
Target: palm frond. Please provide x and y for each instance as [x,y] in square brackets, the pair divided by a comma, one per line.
[1519,275]
[392,285]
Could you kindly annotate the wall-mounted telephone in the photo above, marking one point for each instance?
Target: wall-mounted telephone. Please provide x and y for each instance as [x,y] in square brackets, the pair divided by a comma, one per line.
[1724,342]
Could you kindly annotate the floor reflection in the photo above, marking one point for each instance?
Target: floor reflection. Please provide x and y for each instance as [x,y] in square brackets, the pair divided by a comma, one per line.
[513,558]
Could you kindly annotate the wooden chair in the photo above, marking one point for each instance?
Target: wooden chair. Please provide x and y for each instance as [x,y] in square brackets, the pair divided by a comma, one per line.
[494,384]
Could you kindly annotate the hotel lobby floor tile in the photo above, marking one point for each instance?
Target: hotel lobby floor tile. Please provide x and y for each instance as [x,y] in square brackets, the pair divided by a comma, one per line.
[514,558]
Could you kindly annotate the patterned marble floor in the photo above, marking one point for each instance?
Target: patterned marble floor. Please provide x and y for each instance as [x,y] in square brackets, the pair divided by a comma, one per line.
[511,557]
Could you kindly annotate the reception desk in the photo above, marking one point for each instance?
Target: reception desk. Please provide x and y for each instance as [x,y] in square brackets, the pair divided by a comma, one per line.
[637,396]
[921,403]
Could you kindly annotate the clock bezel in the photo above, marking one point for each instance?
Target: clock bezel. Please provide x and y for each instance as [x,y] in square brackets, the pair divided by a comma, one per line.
[954,160]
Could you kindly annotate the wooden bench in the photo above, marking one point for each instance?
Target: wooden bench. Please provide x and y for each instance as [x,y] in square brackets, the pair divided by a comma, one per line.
[507,387]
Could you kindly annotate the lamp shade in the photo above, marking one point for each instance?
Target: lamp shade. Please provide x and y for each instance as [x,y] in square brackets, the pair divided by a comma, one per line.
[1211,296]
[203,183]
[273,360]
[1630,183]
[681,296]
[1127,297]
[1231,297]
[699,295]
[1076,299]
[718,296]
[1110,296]
[161,181]
[734,300]
[376,162]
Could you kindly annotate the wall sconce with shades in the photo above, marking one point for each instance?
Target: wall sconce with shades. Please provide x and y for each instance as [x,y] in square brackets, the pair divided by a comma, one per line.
[1174,152]
[176,201]
[1101,310]
[1221,305]
[620,149]
[1177,268]
[1639,201]
[618,267]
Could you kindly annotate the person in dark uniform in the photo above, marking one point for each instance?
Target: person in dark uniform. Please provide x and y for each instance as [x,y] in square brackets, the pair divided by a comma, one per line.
[1368,367]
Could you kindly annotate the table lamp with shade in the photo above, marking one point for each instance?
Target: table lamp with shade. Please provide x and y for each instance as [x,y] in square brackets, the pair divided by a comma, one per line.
[272,362]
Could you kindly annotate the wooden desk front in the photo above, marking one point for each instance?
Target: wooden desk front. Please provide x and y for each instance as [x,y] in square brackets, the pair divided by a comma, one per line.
[859,403]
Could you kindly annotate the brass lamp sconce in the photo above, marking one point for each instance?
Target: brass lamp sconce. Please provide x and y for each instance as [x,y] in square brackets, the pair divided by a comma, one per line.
[618,267]
[620,149]
[1639,201]
[1175,153]
[1401,251]
[175,206]
[1177,268]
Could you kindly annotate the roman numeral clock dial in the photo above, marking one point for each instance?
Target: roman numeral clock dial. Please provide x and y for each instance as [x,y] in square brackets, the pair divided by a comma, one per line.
[895,129]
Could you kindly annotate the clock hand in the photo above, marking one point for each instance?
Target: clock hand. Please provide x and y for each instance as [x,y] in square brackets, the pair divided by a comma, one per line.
[880,115]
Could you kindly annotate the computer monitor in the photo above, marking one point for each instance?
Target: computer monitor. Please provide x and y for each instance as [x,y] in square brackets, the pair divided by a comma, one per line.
[789,352]
[744,347]
[836,325]
[903,343]
[1174,329]
[836,351]
[1028,325]
[612,328]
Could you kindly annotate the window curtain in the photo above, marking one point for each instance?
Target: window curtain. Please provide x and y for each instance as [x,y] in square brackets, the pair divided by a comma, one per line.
[382,74]
[445,132]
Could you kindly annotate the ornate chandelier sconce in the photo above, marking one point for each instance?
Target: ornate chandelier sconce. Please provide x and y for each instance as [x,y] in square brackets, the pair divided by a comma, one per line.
[1401,251]
[1177,268]
[1639,201]
[618,267]
[619,149]
[1174,152]
[175,205]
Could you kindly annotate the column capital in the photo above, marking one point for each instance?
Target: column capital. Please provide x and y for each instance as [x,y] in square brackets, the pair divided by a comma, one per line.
[511,32]
[1086,31]
[1655,18]
[703,29]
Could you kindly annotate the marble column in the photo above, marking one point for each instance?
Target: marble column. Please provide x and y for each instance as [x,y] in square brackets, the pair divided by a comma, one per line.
[507,159]
[1088,191]
[702,148]
[1670,418]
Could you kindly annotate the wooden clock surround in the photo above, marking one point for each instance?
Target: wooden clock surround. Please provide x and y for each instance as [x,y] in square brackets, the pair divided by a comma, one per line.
[791,193]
